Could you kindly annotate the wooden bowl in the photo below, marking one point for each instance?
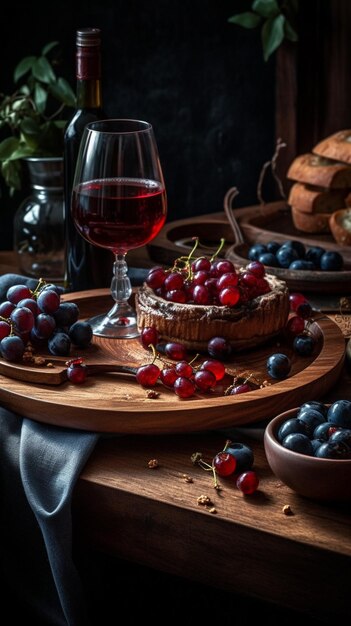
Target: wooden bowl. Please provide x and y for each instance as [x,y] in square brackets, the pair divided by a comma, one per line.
[308,281]
[309,476]
[340,226]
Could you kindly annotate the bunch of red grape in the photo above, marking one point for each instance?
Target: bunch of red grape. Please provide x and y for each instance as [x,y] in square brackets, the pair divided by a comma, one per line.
[209,282]
[183,376]
[40,319]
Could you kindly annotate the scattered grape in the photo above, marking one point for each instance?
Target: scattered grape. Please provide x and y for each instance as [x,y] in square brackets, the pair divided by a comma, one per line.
[76,371]
[247,482]
[224,463]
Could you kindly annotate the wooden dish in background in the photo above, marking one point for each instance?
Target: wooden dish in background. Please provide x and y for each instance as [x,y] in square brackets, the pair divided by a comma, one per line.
[115,403]
[273,222]
[298,280]
[258,225]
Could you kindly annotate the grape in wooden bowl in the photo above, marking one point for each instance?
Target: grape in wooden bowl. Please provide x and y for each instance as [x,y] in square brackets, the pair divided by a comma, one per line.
[309,449]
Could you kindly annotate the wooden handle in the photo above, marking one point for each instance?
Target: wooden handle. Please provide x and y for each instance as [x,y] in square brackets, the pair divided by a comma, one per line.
[228,209]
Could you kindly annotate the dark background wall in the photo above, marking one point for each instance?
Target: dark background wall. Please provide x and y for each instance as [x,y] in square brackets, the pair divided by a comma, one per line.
[199,80]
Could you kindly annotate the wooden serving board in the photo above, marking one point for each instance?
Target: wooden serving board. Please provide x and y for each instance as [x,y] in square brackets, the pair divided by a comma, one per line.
[259,224]
[114,403]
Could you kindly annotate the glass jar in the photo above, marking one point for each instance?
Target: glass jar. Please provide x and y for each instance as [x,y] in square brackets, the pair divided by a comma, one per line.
[39,221]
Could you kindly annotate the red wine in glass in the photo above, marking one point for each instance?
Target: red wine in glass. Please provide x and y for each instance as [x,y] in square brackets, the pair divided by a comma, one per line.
[120,214]
[118,203]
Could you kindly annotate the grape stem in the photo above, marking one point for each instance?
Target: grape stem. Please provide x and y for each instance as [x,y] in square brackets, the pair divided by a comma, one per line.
[198,460]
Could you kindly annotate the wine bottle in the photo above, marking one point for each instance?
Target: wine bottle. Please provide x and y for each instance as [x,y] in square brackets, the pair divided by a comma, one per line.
[86,266]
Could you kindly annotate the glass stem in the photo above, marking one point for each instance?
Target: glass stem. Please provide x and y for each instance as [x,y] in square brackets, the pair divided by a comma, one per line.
[121,288]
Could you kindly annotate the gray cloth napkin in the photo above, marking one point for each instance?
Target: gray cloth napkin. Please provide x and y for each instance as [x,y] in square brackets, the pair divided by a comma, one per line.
[39,467]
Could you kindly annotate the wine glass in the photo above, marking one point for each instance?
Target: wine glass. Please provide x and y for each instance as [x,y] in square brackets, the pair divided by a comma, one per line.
[118,202]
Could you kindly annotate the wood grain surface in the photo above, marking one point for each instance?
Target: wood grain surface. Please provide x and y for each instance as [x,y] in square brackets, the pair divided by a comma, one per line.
[248,545]
[109,402]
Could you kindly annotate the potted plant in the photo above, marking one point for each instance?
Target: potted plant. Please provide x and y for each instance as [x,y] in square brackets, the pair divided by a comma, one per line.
[32,127]
[31,117]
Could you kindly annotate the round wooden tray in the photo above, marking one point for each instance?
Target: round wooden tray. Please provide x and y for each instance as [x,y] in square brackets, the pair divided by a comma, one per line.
[115,403]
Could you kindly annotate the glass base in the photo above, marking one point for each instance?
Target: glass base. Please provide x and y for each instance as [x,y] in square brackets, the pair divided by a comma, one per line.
[119,323]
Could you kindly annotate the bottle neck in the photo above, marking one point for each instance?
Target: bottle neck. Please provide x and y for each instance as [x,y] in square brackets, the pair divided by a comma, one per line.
[88,73]
[89,94]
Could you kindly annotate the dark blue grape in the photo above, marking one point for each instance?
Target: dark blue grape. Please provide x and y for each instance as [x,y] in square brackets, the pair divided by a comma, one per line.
[59,344]
[301,264]
[331,261]
[81,334]
[59,290]
[6,308]
[297,442]
[286,255]
[333,450]
[296,245]
[304,345]
[314,254]
[67,314]
[243,454]
[273,247]
[322,431]
[48,301]
[29,303]
[268,258]
[23,319]
[310,418]
[316,443]
[304,310]
[255,251]
[315,404]
[17,292]
[343,435]
[40,343]
[45,325]
[339,413]
[292,425]
[278,365]
[12,348]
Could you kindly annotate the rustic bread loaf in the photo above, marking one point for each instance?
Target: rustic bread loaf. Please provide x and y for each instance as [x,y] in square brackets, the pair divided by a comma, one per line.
[313,223]
[315,170]
[336,146]
[310,199]
[340,226]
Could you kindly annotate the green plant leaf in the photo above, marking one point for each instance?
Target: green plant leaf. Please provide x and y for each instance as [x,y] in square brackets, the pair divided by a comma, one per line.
[61,124]
[23,67]
[25,90]
[40,97]
[43,71]
[290,32]
[272,35]
[7,147]
[48,47]
[24,150]
[62,91]
[30,126]
[266,8]
[11,172]
[247,20]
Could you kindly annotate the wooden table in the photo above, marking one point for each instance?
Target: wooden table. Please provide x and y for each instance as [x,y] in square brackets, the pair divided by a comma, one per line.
[246,545]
